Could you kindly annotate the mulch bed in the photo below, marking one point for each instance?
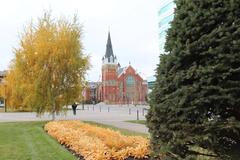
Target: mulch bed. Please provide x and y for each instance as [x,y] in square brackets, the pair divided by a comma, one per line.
[80,157]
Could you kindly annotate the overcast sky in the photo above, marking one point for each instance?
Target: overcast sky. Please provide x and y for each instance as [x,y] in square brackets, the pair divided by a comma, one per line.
[132,23]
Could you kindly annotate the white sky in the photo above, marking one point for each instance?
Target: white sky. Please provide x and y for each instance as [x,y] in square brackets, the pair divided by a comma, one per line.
[133,26]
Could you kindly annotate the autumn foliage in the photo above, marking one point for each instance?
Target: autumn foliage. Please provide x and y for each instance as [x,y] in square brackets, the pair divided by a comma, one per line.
[49,66]
[95,143]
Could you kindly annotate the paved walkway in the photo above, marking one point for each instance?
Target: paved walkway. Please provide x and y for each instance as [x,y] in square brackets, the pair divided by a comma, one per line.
[110,115]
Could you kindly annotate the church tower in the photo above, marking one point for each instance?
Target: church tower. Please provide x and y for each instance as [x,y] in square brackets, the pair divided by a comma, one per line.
[109,74]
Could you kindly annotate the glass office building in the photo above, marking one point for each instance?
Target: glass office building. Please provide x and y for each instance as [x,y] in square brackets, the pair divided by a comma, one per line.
[165,15]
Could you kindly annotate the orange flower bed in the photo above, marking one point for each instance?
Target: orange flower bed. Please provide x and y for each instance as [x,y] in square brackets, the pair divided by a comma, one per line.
[96,143]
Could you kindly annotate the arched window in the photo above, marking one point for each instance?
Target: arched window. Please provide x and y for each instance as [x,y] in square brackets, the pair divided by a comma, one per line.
[130,80]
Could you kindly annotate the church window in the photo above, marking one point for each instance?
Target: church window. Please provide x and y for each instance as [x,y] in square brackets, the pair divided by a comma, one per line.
[130,80]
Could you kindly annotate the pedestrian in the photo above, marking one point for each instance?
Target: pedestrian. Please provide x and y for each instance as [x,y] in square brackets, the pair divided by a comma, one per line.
[74,108]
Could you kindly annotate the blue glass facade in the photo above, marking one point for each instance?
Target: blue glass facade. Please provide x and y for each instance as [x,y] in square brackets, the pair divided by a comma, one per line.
[166,20]
[165,8]
[166,15]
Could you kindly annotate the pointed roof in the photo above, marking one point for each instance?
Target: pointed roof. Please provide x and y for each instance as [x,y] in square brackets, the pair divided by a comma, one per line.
[121,70]
[109,50]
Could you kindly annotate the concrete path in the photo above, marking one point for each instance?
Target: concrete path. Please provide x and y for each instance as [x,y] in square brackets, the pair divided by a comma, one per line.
[110,115]
[126,125]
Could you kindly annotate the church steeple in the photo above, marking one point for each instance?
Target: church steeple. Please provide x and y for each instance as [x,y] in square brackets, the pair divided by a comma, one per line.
[109,56]
[109,50]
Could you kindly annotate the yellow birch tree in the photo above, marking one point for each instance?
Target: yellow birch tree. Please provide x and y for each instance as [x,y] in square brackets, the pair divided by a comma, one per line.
[11,91]
[49,66]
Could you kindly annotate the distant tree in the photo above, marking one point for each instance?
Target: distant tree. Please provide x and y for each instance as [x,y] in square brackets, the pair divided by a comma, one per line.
[49,66]
[3,93]
[195,104]
[146,98]
[11,91]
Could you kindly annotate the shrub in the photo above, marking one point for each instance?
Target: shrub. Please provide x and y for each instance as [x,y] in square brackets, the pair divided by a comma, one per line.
[95,143]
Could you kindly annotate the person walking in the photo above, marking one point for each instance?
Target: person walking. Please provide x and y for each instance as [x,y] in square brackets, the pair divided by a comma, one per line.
[74,108]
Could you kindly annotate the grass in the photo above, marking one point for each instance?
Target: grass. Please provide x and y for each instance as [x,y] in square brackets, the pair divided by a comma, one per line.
[28,141]
[122,131]
[137,121]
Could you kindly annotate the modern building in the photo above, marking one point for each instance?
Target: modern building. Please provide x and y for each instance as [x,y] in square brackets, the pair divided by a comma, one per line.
[119,85]
[165,15]
[151,81]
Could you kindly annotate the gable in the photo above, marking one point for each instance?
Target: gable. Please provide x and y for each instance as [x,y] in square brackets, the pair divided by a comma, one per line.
[129,70]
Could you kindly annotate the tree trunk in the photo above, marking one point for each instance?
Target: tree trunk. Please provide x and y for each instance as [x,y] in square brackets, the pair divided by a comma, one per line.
[5,104]
[53,109]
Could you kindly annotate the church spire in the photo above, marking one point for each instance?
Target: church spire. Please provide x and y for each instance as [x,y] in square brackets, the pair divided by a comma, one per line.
[109,50]
[109,56]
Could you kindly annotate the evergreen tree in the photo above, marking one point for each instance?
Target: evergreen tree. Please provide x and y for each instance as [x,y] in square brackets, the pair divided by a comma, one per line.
[195,105]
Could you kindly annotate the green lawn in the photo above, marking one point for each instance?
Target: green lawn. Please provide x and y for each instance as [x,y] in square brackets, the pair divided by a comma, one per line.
[137,121]
[28,141]
[123,131]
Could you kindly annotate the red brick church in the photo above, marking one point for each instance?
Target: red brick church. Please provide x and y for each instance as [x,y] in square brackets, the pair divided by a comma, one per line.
[119,85]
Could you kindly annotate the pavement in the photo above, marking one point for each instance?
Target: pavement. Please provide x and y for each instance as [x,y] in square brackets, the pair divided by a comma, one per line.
[114,115]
